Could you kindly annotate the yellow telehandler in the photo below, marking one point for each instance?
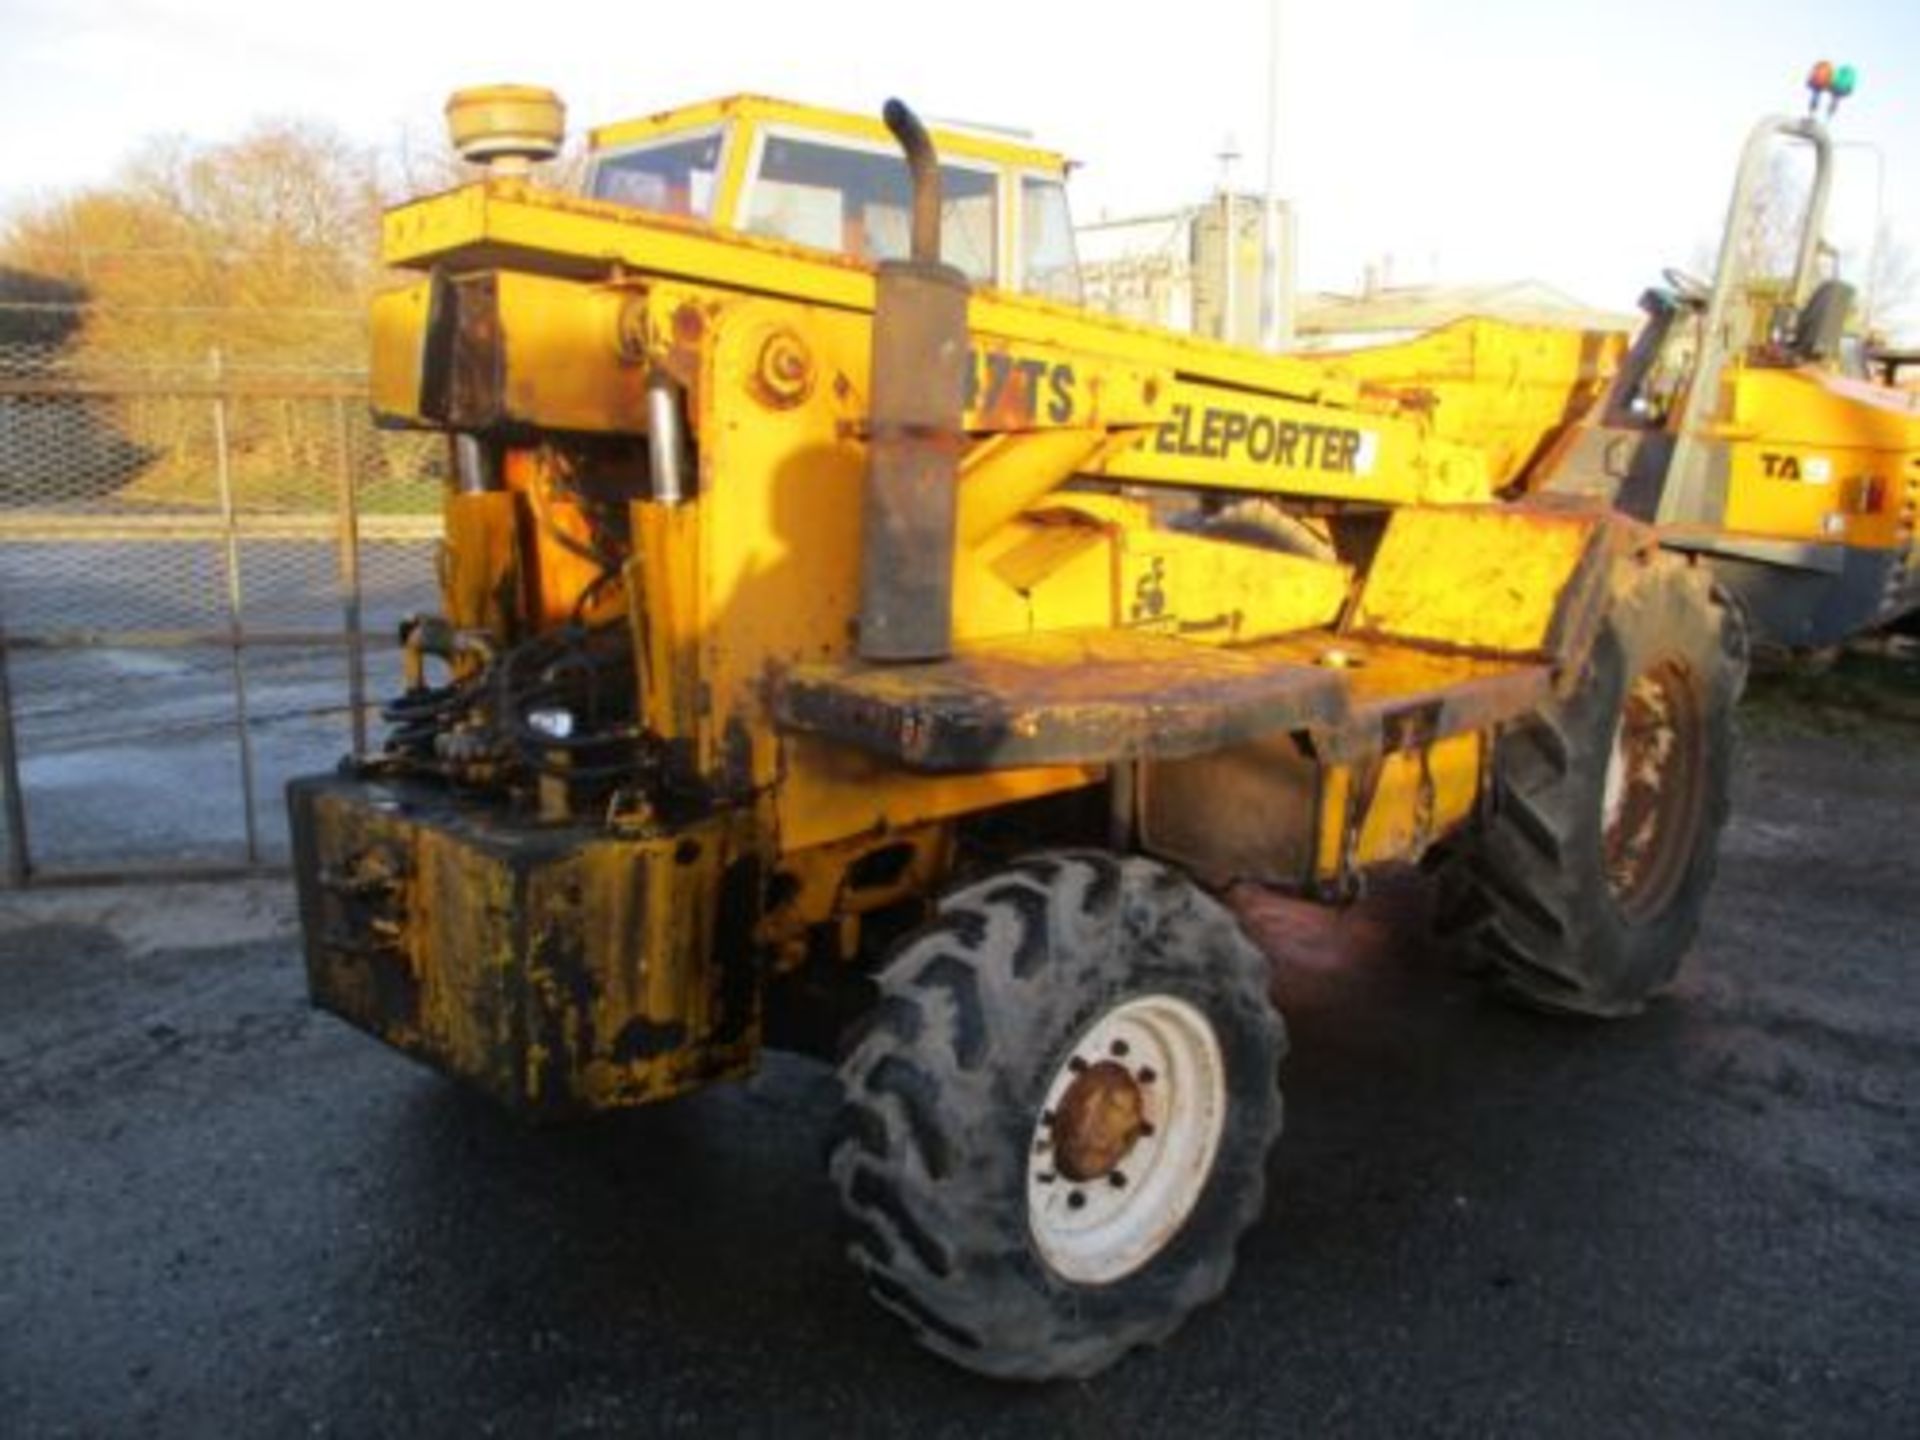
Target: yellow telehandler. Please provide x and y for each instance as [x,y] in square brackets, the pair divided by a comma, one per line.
[851,645]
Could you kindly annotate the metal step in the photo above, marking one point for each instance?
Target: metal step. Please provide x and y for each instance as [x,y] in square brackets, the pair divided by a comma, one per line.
[1090,697]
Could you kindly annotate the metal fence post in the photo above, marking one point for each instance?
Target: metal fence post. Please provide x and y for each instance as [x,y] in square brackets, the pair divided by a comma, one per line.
[350,582]
[236,627]
[128,478]
[19,859]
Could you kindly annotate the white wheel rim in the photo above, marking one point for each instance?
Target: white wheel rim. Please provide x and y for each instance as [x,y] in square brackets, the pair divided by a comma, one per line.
[1171,1054]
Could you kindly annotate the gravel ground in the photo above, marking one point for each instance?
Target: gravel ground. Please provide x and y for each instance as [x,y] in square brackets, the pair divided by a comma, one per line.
[221,1213]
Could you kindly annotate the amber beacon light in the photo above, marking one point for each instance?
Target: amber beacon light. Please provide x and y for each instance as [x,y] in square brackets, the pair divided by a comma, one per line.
[506,128]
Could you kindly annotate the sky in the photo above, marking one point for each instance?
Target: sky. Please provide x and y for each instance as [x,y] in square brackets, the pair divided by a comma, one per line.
[1583,145]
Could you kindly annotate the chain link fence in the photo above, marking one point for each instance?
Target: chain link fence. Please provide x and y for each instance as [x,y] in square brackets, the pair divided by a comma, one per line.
[202,568]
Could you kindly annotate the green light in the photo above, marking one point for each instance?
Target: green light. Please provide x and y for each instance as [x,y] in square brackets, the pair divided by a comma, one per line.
[1843,81]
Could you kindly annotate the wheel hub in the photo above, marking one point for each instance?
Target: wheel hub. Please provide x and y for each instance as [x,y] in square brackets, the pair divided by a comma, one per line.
[1098,1121]
[1650,803]
[1126,1139]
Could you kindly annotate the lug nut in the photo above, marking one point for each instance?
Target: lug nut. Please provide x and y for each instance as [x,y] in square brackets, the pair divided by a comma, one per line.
[1145,1075]
[1076,1199]
[1118,1179]
[1118,1049]
[1076,1065]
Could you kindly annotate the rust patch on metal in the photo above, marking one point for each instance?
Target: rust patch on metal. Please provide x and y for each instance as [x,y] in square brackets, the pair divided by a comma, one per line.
[533,961]
[1091,697]
[464,370]
[1652,796]
[1098,1121]
[919,355]
[630,329]
[1011,390]
[689,325]
[688,333]
[1064,698]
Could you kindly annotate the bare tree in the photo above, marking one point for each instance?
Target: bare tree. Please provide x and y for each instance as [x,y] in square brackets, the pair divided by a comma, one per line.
[1892,300]
[263,248]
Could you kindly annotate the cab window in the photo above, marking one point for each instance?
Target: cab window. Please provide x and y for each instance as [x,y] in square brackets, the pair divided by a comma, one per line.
[1048,265]
[860,203]
[669,177]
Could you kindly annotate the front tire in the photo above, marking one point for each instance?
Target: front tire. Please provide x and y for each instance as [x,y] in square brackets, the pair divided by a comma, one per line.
[1583,890]
[1057,1122]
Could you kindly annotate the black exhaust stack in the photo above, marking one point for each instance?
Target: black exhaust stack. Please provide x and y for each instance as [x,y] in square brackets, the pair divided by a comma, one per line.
[914,436]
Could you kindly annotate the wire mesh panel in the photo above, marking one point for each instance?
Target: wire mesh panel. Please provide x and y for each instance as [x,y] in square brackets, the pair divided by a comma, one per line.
[201,573]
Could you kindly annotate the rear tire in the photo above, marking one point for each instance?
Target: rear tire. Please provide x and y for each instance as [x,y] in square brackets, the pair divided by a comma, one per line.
[1583,890]
[981,1133]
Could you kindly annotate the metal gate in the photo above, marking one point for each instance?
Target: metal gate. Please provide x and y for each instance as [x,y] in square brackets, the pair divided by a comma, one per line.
[201,576]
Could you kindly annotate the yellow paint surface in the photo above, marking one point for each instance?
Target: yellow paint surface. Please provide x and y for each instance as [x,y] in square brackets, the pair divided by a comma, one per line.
[1487,578]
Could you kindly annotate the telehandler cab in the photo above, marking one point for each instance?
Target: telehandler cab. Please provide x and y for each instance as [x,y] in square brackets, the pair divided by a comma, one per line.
[850,645]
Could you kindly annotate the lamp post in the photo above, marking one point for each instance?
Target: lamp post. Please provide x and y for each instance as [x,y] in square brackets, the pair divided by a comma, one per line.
[1229,246]
[1276,271]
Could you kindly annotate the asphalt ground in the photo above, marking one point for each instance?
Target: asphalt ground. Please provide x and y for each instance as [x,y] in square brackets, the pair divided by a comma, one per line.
[224,1214]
